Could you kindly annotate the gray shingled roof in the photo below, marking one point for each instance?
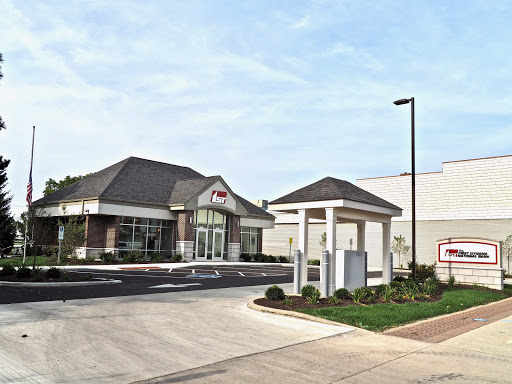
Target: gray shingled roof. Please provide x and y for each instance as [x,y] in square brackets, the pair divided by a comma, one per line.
[330,188]
[143,181]
[185,189]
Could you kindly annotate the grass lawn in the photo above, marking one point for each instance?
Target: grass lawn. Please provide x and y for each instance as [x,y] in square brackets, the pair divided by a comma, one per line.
[18,261]
[379,317]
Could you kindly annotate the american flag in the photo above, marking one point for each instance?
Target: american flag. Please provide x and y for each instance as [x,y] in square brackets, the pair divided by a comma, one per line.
[29,189]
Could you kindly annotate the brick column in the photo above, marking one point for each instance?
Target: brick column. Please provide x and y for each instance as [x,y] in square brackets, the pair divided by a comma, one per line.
[185,235]
[234,239]
[112,226]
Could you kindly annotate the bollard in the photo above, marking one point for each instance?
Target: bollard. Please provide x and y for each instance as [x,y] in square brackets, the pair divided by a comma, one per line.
[324,274]
[296,272]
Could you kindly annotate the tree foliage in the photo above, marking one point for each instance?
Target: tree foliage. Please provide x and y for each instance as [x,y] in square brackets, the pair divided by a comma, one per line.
[74,235]
[400,247]
[54,186]
[2,124]
[7,223]
[323,240]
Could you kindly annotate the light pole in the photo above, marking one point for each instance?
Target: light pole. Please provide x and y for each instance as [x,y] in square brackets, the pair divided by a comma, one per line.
[413,174]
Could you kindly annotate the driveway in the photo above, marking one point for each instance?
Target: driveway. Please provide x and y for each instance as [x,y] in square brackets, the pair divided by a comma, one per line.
[130,338]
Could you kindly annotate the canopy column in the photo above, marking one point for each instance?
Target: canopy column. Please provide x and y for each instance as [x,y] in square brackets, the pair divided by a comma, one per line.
[387,268]
[361,238]
[331,218]
[303,245]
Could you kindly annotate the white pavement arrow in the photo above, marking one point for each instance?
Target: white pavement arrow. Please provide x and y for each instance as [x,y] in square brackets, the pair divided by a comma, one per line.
[174,285]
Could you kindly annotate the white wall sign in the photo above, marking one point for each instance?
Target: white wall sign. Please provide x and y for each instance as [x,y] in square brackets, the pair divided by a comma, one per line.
[477,251]
[219,197]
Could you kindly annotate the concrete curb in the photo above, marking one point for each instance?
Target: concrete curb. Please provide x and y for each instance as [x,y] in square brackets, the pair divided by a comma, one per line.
[298,315]
[58,284]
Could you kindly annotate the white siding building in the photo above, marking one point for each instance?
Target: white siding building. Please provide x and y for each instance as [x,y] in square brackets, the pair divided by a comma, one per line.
[467,198]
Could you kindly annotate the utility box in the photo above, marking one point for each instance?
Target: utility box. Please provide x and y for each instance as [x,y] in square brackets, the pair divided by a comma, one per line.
[351,269]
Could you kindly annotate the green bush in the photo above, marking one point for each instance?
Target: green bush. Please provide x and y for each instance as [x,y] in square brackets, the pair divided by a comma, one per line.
[134,257]
[156,257]
[283,259]
[50,250]
[314,262]
[388,293]
[24,272]
[108,257]
[430,286]
[380,289]
[274,293]
[315,297]
[341,294]
[409,283]
[38,278]
[246,257]
[307,291]
[359,294]
[53,273]
[395,284]
[176,258]
[333,300]
[8,270]
[424,272]
[399,279]
[271,259]
[65,277]
[451,281]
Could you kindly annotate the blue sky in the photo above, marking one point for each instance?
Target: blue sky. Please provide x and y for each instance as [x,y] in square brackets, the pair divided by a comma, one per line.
[271,95]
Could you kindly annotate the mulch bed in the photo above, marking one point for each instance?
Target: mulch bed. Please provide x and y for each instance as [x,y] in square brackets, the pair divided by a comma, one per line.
[64,278]
[300,303]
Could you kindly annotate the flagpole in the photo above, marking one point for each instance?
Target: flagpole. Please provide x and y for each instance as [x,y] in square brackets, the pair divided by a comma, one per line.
[29,192]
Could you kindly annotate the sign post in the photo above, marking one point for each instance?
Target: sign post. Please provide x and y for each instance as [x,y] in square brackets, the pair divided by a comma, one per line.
[61,236]
[290,253]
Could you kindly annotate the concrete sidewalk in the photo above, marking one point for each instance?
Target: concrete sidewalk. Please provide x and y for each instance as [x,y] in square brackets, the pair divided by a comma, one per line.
[480,356]
[130,338]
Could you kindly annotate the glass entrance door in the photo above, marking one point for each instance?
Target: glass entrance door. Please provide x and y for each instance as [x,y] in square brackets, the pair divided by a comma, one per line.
[201,244]
[218,245]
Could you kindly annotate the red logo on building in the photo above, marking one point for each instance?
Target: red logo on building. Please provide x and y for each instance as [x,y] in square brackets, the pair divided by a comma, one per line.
[219,197]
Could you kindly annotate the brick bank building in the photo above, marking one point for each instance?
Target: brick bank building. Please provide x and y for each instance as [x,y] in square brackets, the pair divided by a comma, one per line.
[150,206]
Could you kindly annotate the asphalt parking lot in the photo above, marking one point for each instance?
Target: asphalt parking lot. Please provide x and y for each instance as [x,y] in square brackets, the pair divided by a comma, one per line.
[148,280]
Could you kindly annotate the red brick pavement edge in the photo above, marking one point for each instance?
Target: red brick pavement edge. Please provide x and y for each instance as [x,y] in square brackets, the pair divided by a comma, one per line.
[445,327]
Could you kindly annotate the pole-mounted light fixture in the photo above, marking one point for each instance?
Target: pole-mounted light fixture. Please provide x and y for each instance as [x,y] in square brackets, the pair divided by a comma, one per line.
[413,174]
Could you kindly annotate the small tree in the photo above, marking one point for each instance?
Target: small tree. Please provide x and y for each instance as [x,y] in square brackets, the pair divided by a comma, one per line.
[323,240]
[52,186]
[400,247]
[7,223]
[74,235]
[507,251]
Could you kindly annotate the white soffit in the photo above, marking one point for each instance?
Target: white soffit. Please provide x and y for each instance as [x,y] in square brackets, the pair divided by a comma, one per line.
[341,203]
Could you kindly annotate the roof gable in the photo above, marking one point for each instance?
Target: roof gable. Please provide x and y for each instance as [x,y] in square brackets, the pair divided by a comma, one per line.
[330,188]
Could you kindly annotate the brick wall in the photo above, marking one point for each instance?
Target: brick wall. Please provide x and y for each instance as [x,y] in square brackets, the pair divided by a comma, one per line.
[95,231]
[112,225]
[472,189]
[234,229]
[185,229]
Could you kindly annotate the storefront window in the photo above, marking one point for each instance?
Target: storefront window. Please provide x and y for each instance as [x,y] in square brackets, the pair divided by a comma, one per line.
[145,235]
[210,234]
[249,237]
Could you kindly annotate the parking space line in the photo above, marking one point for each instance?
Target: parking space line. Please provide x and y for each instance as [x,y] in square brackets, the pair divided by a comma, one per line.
[217,272]
[241,274]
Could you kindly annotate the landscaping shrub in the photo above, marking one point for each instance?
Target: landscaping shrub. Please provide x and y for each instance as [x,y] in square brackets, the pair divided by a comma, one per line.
[395,284]
[388,293]
[358,295]
[283,259]
[424,272]
[274,293]
[259,257]
[50,250]
[271,259]
[246,257]
[288,301]
[409,283]
[341,293]
[315,297]
[430,286]
[134,257]
[8,270]
[24,272]
[53,273]
[176,258]
[38,278]
[333,300]
[65,277]
[399,279]
[307,291]
[451,281]
[108,257]
[380,289]
[156,257]
[409,291]
[314,262]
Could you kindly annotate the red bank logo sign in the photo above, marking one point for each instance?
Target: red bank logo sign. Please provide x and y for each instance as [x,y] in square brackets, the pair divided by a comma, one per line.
[219,197]
[468,252]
